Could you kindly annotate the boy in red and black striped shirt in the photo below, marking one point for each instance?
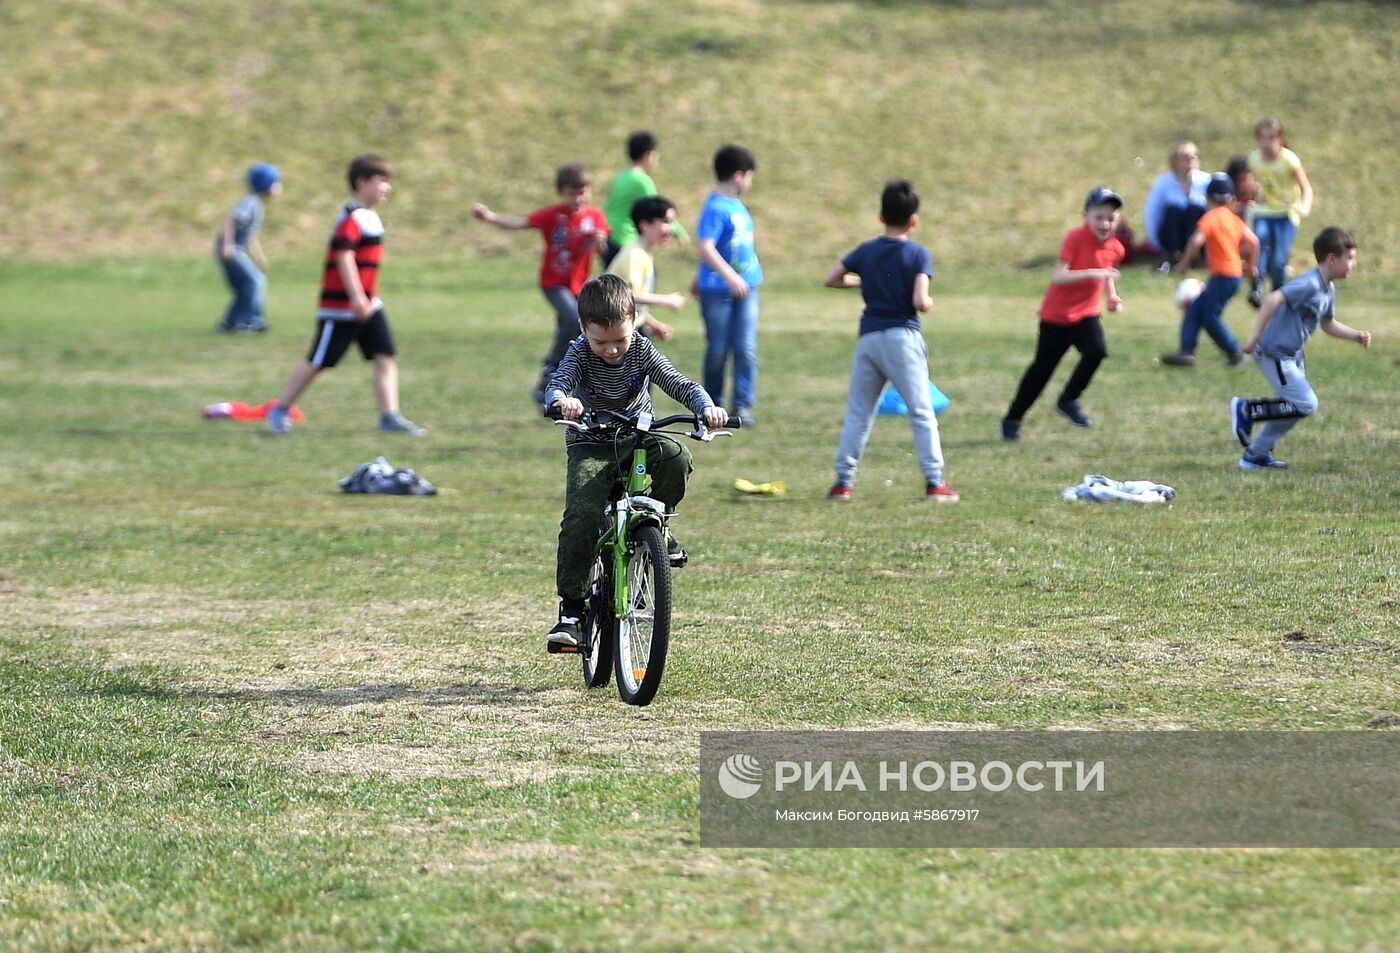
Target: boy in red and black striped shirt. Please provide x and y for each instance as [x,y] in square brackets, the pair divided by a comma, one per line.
[350,311]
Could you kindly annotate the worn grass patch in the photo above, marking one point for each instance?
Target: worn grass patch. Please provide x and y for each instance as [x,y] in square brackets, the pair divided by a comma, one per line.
[238,708]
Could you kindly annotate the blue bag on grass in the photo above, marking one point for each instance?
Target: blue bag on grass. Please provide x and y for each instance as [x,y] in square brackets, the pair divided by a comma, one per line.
[892,405]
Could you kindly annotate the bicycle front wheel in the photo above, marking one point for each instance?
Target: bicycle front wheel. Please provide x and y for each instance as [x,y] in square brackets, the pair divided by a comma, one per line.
[597,628]
[644,631]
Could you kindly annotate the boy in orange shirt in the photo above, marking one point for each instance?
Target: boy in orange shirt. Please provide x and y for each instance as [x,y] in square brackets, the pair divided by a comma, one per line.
[1222,233]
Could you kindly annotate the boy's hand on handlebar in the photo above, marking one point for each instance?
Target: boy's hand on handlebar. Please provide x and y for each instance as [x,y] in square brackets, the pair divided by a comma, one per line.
[715,417]
[570,408]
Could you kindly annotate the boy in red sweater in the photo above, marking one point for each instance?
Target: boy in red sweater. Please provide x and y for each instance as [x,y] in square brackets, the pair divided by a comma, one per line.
[1069,313]
[573,232]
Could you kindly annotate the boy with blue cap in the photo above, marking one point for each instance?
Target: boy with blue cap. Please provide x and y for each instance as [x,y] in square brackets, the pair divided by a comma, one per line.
[237,249]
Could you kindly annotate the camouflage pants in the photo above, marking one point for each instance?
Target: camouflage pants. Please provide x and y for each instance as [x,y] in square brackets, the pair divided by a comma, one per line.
[593,471]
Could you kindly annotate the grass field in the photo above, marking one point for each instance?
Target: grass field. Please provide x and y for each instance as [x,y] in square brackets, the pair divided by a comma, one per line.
[238,709]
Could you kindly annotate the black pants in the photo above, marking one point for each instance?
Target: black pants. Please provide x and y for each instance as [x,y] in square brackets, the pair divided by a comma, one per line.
[1055,340]
[1177,225]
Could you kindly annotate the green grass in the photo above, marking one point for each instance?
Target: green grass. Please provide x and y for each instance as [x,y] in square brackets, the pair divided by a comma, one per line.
[238,709]
[128,125]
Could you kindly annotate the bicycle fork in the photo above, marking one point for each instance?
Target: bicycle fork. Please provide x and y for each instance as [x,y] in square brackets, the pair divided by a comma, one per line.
[626,515]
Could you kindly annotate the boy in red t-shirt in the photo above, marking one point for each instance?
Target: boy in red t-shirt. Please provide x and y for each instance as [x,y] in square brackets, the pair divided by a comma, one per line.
[573,233]
[1069,313]
[1221,233]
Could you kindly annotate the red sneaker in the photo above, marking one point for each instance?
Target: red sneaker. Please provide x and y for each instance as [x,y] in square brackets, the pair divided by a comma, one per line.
[941,493]
[839,491]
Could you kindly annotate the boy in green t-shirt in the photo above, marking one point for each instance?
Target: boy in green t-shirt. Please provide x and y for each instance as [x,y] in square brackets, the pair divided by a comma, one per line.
[631,184]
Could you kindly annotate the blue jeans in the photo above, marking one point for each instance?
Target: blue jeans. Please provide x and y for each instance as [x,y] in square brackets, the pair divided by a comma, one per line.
[566,328]
[249,286]
[1206,314]
[1275,242]
[731,327]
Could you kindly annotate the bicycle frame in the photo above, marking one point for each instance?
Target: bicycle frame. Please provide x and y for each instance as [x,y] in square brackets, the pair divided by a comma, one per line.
[632,509]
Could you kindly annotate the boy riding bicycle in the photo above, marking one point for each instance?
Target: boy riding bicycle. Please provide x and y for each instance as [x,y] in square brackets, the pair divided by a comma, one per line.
[612,367]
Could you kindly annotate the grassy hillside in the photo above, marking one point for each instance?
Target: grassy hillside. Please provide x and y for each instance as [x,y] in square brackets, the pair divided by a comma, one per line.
[127,123]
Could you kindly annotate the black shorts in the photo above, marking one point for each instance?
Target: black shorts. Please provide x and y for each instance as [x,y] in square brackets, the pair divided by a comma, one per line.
[333,339]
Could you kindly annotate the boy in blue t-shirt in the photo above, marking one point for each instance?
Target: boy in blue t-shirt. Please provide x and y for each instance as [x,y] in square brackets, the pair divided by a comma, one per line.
[728,280]
[238,251]
[1286,321]
[892,274]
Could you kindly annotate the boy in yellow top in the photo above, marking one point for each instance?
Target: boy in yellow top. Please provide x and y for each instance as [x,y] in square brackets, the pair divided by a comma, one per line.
[1222,233]
[1285,197]
[655,221]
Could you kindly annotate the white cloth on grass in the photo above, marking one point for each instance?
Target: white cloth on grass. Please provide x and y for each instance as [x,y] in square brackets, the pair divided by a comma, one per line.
[1101,488]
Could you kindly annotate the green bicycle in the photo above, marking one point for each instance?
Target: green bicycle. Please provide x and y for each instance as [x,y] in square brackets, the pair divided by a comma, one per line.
[626,626]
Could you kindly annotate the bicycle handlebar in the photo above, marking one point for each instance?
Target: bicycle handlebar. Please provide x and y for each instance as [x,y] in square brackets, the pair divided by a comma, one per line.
[591,421]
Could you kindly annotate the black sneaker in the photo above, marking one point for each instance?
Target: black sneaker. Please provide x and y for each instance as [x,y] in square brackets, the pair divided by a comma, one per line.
[1010,430]
[675,552]
[1235,360]
[1071,411]
[1179,359]
[1255,297]
[565,636]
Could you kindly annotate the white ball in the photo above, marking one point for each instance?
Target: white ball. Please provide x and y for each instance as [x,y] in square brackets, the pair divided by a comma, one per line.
[1188,291]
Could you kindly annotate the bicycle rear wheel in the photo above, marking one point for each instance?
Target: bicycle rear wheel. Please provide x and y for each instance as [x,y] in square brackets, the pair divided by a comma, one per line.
[598,632]
[644,631]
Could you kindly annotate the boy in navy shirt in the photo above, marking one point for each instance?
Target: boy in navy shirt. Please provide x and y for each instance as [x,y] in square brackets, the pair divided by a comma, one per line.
[892,274]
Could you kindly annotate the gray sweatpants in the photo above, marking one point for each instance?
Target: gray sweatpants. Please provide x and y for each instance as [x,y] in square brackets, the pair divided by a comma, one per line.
[899,356]
[1286,377]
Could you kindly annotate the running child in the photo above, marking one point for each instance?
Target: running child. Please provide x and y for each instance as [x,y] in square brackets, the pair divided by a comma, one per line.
[350,311]
[1286,321]
[572,231]
[1085,271]
[1222,233]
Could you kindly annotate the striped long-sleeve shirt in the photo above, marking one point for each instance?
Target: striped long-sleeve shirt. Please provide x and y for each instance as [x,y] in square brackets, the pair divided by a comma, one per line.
[623,387]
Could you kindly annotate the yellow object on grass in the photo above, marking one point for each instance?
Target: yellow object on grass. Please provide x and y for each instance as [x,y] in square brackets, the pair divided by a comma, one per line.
[776,488]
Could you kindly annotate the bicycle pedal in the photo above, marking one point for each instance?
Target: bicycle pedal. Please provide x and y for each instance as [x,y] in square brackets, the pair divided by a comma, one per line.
[554,648]
[678,560]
